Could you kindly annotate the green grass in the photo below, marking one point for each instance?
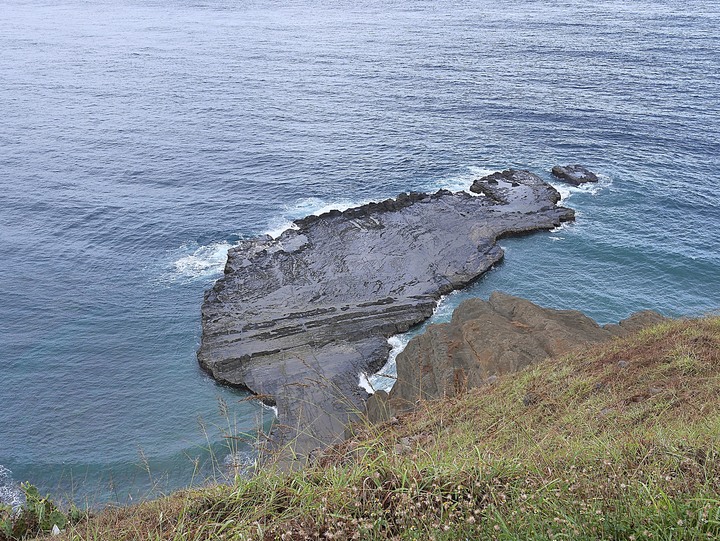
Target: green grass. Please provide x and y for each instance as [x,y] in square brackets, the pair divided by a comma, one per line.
[620,441]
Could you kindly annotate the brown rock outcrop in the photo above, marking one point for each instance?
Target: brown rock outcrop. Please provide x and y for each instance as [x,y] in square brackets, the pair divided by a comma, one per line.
[486,339]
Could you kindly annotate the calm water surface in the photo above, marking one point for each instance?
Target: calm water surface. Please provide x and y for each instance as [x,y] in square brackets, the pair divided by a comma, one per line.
[139,140]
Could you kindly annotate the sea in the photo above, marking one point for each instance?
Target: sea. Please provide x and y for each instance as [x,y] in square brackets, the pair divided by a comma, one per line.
[140,139]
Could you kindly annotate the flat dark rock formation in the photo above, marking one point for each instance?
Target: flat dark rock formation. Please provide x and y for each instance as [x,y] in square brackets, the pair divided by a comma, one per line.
[574,174]
[486,339]
[297,318]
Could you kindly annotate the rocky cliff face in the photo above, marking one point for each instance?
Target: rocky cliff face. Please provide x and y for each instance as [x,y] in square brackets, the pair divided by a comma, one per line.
[297,318]
[486,339]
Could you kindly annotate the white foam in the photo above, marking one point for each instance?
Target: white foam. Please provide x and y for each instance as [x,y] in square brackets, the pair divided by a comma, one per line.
[561,227]
[308,206]
[204,261]
[444,308]
[10,493]
[385,378]
[277,230]
[239,463]
[315,206]
[462,181]
[564,190]
[208,261]
[271,408]
[592,188]
[364,383]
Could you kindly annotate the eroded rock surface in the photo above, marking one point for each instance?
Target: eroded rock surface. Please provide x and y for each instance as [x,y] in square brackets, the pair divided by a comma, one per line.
[296,319]
[486,339]
[574,174]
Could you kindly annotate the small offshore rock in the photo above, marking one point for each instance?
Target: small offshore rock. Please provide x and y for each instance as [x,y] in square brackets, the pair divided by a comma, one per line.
[574,174]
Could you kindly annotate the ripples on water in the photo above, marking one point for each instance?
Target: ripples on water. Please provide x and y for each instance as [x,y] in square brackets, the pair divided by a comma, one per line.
[139,140]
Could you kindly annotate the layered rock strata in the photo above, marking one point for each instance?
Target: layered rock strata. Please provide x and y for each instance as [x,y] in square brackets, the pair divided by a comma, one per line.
[297,318]
[486,339]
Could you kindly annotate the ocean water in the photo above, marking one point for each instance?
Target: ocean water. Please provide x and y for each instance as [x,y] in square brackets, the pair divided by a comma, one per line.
[141,139]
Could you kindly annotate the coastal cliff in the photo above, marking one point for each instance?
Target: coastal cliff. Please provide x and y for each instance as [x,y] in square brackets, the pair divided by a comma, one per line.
[297,318]
[487,339]
[615,440]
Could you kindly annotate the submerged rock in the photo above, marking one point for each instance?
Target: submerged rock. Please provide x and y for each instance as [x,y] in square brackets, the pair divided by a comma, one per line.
[297,318]
[574,174]
[486,339]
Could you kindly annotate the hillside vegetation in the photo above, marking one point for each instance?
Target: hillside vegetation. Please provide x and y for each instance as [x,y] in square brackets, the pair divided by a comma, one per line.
[620,441]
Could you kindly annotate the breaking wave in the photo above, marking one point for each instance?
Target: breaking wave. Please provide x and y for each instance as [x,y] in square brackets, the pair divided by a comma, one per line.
[10,493]
[592,188]
[462,181]
[202,262]
[207,261]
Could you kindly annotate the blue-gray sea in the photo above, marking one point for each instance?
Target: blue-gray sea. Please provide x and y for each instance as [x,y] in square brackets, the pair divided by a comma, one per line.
[139,139]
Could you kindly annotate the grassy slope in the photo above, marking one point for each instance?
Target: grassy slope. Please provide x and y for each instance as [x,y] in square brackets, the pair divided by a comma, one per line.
[617,442]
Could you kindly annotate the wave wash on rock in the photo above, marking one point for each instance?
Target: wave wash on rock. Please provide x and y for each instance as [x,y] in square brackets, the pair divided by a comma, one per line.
[297,318]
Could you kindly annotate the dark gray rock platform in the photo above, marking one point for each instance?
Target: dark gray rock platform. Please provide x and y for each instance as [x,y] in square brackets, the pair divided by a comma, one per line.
[297,318]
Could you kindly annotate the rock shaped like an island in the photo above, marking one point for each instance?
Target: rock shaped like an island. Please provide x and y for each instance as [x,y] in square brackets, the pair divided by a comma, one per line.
[296,319]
